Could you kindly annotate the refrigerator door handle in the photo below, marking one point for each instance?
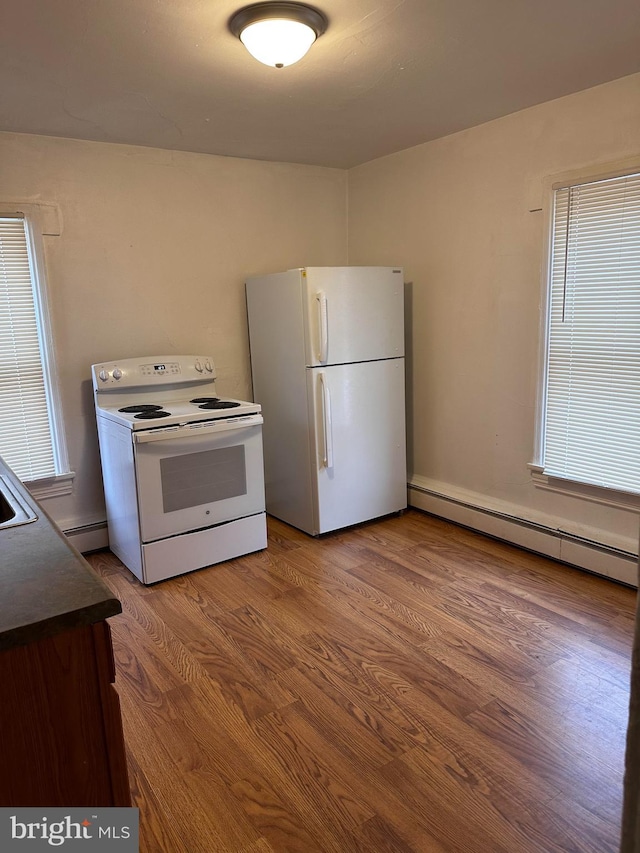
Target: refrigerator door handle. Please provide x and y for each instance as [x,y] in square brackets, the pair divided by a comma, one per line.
[323,322]
[327,426]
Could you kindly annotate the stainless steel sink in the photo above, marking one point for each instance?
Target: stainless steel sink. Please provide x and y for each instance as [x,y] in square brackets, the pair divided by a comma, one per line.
[13,509]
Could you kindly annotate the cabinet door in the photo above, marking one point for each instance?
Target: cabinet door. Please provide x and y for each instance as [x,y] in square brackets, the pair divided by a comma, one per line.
[61,743]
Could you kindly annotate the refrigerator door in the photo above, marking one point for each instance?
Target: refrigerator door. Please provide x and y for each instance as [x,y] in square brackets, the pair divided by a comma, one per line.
[359,469]
[353,314]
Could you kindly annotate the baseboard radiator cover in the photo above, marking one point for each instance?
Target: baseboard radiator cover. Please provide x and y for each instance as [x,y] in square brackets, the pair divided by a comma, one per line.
[617,564]
[88,537]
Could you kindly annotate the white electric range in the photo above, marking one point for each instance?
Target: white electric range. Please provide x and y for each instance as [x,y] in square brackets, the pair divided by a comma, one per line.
[182,467]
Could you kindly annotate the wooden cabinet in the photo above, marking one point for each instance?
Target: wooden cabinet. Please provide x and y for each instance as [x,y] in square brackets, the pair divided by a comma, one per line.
[61,741]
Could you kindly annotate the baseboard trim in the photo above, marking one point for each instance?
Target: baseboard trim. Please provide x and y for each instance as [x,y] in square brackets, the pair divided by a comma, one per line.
[89,537]
[610,562]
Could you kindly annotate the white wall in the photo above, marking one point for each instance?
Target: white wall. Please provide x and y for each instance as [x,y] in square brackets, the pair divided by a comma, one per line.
[154,250]
[155,246]
[456,214]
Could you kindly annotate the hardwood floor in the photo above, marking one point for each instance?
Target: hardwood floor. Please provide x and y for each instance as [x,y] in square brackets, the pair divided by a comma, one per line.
[407,685]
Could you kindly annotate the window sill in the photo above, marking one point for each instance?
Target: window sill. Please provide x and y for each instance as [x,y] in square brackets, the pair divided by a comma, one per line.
[595,494]
[51,487]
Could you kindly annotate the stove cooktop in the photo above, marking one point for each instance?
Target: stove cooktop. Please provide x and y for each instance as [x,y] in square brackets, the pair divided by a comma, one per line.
[162,391]
[176,411]
[147,411]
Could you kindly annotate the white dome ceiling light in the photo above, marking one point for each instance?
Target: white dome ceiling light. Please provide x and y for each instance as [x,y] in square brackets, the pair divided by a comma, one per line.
[278,34]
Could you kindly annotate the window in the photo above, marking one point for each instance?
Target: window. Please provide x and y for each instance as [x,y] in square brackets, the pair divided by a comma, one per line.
[591,429]
[30,435]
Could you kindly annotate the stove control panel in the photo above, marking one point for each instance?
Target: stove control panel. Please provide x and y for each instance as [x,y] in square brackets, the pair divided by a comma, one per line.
[161,369]
[143,372]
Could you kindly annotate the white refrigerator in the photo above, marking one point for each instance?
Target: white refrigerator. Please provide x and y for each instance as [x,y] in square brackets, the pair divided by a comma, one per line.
[327,361]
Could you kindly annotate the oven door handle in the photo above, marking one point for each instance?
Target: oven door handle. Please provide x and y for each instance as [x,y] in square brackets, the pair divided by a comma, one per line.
[200,428]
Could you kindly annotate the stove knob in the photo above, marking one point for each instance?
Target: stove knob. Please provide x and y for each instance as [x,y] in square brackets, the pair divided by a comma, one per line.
[117,373]
[198,367]
[208,367]
[103,375]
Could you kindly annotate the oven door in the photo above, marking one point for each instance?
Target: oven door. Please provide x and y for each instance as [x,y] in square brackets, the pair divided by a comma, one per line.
[194,476]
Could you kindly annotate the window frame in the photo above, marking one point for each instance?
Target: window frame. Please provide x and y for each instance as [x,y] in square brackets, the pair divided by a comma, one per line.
[41,220]
[543,200]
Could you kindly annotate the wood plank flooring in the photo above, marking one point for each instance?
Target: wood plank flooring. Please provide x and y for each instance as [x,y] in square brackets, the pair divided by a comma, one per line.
[406,685]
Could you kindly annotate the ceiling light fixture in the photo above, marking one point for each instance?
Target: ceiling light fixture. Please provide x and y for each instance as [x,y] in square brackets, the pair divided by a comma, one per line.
[278,34]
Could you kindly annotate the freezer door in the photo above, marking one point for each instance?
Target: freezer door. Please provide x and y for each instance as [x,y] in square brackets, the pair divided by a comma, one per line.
[360,467]
[353,314]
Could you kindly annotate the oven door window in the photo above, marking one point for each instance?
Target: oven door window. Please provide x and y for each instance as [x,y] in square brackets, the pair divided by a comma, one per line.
[202,478]
[197,480]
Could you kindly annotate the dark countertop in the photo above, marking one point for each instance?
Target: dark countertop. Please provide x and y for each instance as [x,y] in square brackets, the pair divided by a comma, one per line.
[46,586]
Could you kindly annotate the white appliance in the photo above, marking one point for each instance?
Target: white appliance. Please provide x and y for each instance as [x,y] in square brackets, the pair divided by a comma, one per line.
[327,359]
[182,468]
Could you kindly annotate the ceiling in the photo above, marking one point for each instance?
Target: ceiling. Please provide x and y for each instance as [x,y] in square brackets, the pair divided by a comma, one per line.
[387,74]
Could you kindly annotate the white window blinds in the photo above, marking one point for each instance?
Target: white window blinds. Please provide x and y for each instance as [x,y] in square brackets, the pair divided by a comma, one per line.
[25,426]
[592,417]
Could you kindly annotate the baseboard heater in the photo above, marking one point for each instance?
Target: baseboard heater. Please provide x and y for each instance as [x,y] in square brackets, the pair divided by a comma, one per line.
[88,537]
[566,547]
